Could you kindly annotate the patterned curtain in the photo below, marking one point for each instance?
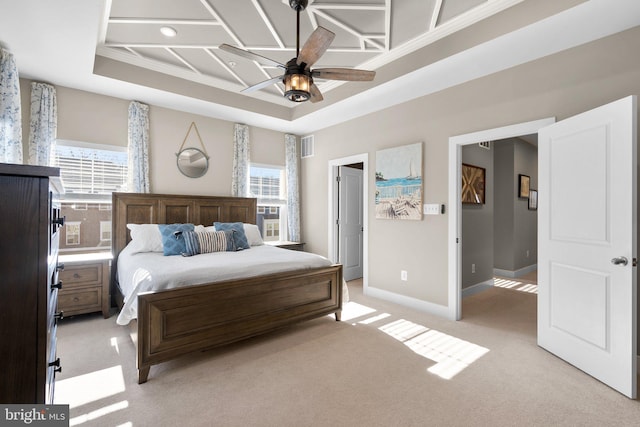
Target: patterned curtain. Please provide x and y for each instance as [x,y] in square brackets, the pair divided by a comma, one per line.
[293,194]
[43,124]
[10,116]
[240,177]
[138,148]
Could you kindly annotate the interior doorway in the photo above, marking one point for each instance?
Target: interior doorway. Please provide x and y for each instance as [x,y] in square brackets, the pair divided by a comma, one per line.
[334,243]
[455,224]
[499,224]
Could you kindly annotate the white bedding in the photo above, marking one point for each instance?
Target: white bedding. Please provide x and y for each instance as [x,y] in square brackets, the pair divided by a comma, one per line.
[150,271]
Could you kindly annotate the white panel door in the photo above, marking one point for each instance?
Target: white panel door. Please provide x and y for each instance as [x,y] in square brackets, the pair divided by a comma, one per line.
[586,231]
[350,223]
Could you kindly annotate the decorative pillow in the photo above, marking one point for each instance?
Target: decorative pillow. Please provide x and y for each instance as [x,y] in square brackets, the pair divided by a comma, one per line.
[172,239]
[253,234]
[145,238]
[239,237]
[207,242]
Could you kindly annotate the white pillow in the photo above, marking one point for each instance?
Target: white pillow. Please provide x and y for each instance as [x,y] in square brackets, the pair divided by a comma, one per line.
[145,238]
[253,234]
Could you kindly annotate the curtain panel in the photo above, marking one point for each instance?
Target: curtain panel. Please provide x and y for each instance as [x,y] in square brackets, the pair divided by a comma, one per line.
[240,177]
[138,148]
[10,115]
[43,124]
[293,194]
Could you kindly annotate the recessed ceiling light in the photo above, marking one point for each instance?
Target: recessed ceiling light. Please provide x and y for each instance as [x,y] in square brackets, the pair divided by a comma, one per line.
[168,31]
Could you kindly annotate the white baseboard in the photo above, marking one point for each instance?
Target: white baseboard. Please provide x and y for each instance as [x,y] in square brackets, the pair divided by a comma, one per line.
[517,273]
[477,288]
[425,306]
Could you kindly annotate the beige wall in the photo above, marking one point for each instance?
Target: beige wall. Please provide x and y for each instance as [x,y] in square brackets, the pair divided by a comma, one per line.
[561,85]
[89,117]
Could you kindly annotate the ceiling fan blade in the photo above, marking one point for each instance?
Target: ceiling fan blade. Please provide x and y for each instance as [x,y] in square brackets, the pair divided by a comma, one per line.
[262,85]
[316,95]
[315,46]
[346,74]
[250,55]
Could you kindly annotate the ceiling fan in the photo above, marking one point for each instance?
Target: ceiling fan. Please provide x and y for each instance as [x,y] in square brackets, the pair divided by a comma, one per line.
[298,75]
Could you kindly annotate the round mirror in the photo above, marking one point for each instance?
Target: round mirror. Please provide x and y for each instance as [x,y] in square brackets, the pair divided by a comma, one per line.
[193,162]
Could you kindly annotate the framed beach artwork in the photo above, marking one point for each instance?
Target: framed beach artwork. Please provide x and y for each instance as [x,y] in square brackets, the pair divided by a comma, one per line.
[399,182]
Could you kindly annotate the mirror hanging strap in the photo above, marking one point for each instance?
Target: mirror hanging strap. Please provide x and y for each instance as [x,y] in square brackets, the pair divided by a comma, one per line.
[193,126]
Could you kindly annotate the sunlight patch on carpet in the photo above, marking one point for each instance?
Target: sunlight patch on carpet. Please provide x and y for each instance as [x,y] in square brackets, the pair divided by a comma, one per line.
[87,388]
[105,410]
[353,310]
[452,355]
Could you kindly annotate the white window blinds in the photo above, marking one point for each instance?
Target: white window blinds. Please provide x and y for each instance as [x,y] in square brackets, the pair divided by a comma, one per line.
[87,171]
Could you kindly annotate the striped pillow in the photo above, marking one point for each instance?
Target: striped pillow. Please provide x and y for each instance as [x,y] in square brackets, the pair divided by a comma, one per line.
[206,242]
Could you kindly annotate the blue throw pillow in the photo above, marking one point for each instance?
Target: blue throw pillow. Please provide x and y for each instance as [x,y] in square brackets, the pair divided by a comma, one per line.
[172,239]
[239,237]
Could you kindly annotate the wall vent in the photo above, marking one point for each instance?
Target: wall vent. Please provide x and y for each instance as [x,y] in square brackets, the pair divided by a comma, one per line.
[485,145]
[306,146]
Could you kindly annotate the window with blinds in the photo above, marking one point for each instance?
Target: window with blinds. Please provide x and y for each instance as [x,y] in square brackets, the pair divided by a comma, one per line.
[267,183]
[89,173]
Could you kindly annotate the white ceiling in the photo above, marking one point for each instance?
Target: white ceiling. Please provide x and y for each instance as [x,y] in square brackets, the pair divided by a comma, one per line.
[113,47]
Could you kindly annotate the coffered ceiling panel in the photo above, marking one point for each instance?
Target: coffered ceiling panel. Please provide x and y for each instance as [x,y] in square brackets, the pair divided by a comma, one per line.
[367,33]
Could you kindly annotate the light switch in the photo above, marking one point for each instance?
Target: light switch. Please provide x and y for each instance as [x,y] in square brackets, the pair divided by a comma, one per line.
[432,209]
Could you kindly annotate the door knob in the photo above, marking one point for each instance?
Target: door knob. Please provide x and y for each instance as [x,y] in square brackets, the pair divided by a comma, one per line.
[620,261]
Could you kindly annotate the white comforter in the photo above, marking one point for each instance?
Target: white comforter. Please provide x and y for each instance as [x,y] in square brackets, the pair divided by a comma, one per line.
[150,271]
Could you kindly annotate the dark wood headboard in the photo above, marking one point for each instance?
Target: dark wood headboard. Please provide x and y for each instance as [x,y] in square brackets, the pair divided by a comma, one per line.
[144,208]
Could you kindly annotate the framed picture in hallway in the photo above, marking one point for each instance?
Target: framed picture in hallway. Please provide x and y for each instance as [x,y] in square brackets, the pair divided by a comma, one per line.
[473,184]
[523,186]
[533,200]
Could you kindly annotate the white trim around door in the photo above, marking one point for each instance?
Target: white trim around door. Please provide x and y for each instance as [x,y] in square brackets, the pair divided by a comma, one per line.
[455,206]
[332,213]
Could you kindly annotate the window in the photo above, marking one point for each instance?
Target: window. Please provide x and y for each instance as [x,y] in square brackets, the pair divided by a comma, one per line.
[267,184]
[89,173]
[105,231]
[73,233]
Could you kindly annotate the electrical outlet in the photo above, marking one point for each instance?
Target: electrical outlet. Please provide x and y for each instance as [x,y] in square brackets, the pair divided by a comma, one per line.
[473,268]
[403,275]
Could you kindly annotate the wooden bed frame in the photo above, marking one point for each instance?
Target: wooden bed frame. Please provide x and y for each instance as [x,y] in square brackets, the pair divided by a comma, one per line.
[175,322]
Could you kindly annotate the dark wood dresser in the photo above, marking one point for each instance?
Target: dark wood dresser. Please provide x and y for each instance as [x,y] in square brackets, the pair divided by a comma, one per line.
[29,287]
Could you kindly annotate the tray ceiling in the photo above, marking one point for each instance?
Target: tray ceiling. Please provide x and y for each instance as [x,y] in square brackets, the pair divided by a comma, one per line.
[369,34]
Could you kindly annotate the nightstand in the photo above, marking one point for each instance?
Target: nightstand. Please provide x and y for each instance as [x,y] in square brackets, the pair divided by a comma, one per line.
[85,283]
[294,246]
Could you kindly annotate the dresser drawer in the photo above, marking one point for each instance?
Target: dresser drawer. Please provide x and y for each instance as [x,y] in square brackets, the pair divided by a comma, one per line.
[75,276]
[80,301]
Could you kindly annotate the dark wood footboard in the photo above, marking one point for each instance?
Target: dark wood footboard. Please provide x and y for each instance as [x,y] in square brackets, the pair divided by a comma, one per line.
[180,321]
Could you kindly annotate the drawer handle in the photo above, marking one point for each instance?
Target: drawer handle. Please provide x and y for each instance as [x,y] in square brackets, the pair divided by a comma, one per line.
[76,299]
[56,286]
[60,266]
[76,276]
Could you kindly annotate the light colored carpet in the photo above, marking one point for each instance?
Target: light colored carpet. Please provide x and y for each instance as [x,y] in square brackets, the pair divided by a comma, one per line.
[383,365]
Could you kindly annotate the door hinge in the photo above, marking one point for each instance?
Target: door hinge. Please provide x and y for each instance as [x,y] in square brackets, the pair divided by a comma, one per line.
[337,179]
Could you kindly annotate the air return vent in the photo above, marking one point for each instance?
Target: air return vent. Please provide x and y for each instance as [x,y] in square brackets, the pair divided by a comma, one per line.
[306,146]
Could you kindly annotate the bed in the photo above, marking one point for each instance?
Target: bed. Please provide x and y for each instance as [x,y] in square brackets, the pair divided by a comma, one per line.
[169,323]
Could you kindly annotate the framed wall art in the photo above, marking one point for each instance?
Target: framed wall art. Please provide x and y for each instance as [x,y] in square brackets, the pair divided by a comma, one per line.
[523,186]
[473,184]
[533,200]
[399,182]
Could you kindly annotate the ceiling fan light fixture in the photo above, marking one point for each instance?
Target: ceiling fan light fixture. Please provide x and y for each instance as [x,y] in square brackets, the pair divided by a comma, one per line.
[296,87]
